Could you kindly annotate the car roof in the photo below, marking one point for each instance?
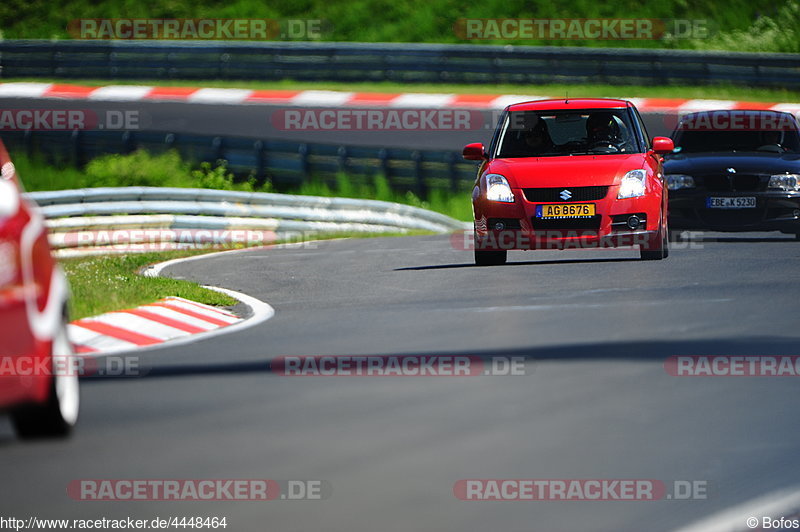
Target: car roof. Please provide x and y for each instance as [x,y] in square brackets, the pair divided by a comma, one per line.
[570,103]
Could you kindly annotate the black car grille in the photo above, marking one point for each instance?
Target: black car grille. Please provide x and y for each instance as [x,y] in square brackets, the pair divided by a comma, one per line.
[590,224]
[731,183]
[553,195]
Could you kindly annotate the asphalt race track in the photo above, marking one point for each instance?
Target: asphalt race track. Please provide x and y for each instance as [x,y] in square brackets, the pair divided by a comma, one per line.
[595,327]
[256,121]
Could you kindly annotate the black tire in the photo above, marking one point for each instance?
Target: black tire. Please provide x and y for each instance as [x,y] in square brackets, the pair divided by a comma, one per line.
[797,236]
[490,258]
[657,253]
[676,236]
[56,417]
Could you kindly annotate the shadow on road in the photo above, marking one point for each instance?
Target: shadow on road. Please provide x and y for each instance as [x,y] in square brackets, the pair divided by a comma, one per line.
[520,263]
[655,351]
[737,239]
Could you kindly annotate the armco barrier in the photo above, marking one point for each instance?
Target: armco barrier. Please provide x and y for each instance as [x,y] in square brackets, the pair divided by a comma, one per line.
[399,62]
[165,212]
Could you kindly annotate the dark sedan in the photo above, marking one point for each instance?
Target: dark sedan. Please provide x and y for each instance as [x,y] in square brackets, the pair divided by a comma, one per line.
[735,171]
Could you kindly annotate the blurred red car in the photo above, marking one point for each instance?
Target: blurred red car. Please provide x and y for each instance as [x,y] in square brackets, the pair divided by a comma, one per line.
[38,373]
[570,174]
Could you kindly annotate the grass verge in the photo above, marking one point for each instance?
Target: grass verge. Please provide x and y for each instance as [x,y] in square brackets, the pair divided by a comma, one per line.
[112,282]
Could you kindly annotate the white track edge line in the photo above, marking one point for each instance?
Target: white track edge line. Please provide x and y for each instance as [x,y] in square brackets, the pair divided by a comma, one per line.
[734,518]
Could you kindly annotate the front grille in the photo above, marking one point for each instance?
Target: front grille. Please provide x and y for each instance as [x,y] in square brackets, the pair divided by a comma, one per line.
[589,224]
[727,183]
[553,195]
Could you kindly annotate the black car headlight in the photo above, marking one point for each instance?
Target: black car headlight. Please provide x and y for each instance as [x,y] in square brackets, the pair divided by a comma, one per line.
[790,182]
[679,181]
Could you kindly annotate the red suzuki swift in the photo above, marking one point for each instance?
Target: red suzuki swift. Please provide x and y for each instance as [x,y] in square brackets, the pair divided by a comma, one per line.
[38,374]
[574,173]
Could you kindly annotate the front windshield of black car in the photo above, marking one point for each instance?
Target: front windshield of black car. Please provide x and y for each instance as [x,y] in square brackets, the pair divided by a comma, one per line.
[737,131]
[726,141]
[568,132]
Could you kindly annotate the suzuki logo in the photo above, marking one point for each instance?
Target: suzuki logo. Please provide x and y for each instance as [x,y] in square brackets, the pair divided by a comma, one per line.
[731,170]
[565,194]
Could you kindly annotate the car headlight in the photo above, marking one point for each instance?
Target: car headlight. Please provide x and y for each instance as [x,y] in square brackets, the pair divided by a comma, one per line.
[679,181]
[785,182]
[9,198]
[498,189]
[632,184]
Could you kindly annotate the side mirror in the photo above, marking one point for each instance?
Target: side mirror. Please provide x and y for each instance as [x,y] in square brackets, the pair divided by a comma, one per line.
[474,152]
[663,145]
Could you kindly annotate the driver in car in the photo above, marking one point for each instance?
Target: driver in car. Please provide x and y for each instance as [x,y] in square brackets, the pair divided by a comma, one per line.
[771,141]
[602,131]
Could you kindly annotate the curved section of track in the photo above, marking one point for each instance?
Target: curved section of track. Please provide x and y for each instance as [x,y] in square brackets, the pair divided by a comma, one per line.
[596,327]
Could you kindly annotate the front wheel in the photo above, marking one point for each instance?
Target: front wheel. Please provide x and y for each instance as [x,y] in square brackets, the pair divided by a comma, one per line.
[58,414]
[490,258]
[658,248]
[676,236]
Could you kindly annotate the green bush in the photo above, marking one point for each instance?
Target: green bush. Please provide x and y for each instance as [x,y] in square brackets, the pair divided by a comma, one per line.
[398,20]
[169,170]
[137,169]
[780,33]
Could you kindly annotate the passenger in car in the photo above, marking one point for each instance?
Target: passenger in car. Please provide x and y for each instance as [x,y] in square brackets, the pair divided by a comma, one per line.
[538,139]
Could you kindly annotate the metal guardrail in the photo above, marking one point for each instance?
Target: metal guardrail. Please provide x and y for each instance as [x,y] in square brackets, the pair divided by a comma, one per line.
[102,220]
[399,62]
[208,202]
[283,163]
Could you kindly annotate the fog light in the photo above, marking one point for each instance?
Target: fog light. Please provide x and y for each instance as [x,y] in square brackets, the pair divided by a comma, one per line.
[796,212]
[634,222]
[499,226]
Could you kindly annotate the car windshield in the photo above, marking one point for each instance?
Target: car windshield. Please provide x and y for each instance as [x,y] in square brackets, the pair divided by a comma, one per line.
[560,133]
[726,141]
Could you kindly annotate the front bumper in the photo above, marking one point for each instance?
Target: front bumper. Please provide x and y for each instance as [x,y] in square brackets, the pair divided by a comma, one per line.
[774,211]
[523,230]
